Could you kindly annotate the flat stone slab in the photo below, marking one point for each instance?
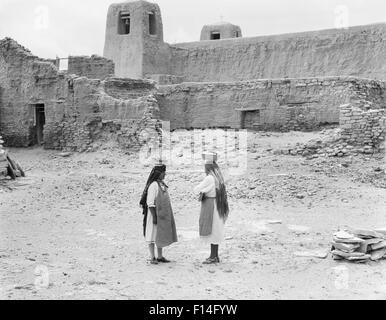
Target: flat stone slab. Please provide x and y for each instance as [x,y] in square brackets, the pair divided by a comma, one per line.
[321,254]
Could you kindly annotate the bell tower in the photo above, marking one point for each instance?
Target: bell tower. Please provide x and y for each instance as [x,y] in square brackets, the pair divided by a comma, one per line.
[134,37]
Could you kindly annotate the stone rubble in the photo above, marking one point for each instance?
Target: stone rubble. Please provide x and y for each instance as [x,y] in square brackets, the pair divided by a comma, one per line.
[359,245]
[360,132]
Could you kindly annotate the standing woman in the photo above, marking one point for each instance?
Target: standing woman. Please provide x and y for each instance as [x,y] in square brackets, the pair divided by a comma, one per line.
[159,227]
[214,207]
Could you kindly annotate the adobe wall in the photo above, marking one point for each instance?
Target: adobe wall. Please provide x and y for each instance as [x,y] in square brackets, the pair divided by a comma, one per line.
[25,79]
[284,104]
[358,51]
[77,109]
[94,67]
[365,128]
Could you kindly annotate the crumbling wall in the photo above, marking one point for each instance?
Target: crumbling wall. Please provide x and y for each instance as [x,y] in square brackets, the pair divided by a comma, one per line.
[96,115]
[362,128]
[77,109]
[94,67]
[283,104]
[357,51]
[25,80]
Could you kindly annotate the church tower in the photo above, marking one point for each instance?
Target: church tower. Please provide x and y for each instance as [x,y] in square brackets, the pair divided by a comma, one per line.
[134,39]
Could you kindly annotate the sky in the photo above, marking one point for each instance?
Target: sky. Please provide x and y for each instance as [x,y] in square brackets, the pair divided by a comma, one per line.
[51,28]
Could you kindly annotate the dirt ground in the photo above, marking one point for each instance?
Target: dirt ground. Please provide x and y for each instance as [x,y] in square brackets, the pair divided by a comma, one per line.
[72,229]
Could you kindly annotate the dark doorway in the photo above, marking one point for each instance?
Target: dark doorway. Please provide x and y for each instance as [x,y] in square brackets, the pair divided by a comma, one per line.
[40,121]
[250,119]
[215,36]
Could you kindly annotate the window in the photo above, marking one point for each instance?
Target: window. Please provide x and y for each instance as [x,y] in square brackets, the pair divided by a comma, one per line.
[152,24]
[236,34]
[124,23]
[215,36]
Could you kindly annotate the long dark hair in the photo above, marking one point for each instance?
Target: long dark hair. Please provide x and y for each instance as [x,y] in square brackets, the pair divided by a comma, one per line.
[221,193]
[153,176]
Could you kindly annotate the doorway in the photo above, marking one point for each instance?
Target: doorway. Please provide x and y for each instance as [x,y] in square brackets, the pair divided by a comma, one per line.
[250,119]
[39,122]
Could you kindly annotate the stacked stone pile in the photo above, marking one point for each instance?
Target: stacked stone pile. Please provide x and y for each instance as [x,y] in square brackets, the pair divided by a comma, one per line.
[359,245]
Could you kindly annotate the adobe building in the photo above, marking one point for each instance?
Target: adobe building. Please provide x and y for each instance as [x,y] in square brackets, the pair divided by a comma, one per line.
[282,82]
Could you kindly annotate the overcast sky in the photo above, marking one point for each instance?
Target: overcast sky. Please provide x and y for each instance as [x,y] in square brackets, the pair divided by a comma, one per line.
[62,27]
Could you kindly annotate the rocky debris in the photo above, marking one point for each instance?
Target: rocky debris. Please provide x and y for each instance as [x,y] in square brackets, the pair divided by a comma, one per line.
[361,131]
[65,154]
[359,245]
[299,229]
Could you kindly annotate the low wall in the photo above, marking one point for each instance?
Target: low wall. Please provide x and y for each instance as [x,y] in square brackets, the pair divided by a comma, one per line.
[94,67]
[363,128]
[282,104]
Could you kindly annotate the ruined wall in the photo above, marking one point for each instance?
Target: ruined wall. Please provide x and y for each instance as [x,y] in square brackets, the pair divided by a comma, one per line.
[357,51]
[283,104]
[94,67]
[25,80]
[363,128]
[98,116]
[77,109]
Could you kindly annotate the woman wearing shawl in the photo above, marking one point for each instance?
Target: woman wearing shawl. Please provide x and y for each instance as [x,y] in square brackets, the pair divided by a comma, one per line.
[158,224]
[214,207]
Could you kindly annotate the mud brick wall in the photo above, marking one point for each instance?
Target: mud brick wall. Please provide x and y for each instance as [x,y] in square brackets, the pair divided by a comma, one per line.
[94,67]
[370,94]
[76,108]
[165,79]
[24,80]
[284,104]
[128,88]
[357,51]
[95,116]
[363,128]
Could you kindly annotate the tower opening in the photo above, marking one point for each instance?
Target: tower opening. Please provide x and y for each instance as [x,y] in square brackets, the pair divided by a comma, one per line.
[124,23]
[152,24]
[215,36]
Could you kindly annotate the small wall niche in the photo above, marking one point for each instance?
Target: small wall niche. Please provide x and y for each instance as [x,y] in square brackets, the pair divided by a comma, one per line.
[124,23]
